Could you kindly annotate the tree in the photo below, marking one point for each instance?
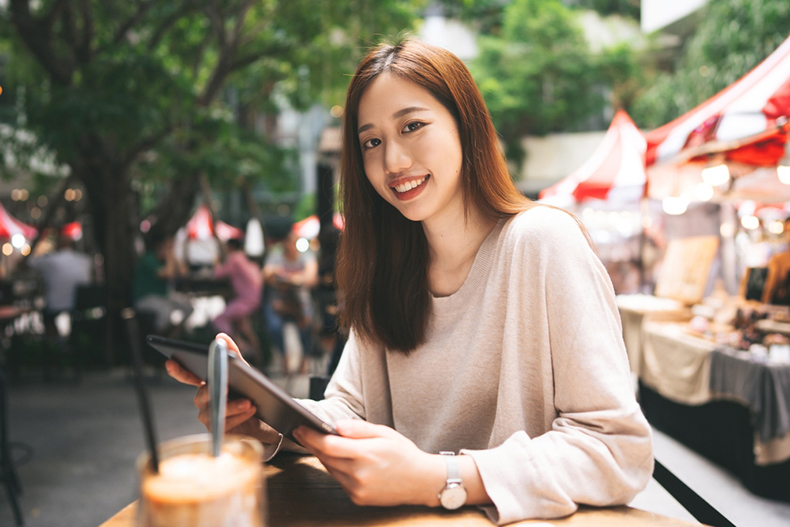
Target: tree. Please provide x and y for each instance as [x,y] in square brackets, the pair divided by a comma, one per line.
[733,37]
[537,74]
[123,92]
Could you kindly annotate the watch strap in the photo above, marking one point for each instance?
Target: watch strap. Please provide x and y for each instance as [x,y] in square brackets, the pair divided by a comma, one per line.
[453,470]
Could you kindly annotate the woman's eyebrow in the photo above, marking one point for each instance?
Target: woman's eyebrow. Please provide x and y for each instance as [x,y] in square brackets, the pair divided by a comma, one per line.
[397,115]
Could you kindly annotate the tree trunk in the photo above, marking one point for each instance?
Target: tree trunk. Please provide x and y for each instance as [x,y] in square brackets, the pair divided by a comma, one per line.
[111,202]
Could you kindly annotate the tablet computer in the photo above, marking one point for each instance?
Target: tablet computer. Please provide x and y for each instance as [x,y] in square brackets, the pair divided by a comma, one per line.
[274,405]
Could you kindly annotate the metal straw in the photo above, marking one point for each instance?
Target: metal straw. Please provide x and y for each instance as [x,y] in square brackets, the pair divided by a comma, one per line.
[218,391]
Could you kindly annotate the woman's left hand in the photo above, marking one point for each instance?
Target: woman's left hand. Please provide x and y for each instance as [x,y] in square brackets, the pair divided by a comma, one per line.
[376,465]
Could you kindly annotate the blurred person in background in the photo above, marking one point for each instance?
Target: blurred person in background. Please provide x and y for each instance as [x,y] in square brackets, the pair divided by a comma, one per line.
[62,271]
[289,276]
[245,278]
[156,269]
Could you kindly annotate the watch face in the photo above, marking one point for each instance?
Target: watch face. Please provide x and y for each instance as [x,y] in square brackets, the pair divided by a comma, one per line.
[453,496]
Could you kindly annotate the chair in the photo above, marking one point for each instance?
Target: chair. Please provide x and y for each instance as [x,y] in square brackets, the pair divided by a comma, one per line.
[8,474]
[688,499]
[89,318]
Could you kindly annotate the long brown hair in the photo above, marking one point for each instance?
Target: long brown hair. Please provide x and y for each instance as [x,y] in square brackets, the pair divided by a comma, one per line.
[382,267]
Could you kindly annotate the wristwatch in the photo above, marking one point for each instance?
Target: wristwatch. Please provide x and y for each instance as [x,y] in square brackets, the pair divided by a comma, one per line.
[453,495]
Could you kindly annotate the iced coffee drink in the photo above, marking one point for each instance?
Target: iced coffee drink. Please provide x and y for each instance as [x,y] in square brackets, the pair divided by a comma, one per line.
[195,489]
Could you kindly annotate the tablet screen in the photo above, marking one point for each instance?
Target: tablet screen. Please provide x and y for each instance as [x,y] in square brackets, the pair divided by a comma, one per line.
[274,405]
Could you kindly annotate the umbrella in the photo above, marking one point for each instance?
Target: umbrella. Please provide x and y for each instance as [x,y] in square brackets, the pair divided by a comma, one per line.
[615,172]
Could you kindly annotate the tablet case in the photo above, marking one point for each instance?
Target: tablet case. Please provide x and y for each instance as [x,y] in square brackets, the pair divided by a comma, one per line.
[274,405]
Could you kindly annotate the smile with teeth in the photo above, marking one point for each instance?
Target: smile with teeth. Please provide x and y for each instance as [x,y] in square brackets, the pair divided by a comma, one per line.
[408,185]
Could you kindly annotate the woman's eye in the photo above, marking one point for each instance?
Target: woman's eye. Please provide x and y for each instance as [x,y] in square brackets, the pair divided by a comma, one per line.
[371,143]
[415,125]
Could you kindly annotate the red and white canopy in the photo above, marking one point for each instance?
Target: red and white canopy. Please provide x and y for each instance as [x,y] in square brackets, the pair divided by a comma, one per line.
[199,227]
[748,120]
[9,226]
[311,226]
[615,172]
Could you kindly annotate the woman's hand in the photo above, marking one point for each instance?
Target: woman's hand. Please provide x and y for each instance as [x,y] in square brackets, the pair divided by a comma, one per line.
[376,465]
[239,414]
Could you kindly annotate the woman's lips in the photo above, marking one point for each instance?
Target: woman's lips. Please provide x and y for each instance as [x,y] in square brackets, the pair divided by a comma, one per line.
[409,189]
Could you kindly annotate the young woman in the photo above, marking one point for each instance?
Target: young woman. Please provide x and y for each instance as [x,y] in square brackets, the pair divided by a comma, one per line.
[481,324]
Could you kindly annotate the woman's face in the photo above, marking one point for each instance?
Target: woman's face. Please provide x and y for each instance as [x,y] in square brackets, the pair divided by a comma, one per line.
[411,149]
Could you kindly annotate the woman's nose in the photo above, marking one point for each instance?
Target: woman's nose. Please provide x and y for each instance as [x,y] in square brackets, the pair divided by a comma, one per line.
[396,158]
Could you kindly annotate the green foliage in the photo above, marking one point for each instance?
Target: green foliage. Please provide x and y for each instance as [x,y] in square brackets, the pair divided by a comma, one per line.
[111,80]
[733,37]
[305,207]
[627,8]
[537,76]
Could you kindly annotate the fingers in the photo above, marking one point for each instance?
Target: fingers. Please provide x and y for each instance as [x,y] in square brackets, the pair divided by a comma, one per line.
[359,429]
[326,445]
[234,421]
[181,374]
[232,346]
[236,412]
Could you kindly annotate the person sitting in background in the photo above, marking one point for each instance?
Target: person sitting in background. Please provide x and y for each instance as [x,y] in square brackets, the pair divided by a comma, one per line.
[245,278]
[289,275]
[156,268]
[62,272]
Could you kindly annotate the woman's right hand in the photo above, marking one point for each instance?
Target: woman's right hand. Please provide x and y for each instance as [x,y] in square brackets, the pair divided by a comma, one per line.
[239,414]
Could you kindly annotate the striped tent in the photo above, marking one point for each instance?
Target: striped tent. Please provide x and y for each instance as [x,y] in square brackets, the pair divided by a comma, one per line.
[747,121]
[9,226]
[615,172]
[199,227]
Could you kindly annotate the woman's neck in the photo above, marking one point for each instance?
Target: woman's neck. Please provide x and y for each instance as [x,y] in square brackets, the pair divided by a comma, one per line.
[453,246]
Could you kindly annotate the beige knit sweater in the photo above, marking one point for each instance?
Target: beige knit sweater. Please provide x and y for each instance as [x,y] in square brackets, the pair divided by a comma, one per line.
[524,369]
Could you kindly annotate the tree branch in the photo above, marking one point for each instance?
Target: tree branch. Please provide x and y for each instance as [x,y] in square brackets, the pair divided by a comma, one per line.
[144,144]
[168,22]
[241,15]
[84,52]
[69,29]
[200,52]
[142,9]
[228,49]
[216,17]
[37,36]
[249,58]
[49,19]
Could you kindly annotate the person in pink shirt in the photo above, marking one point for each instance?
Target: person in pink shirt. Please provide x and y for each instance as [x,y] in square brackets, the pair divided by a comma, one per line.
[245,278]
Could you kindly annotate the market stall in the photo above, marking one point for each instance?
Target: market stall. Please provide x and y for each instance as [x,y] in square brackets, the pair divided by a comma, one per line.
[717,378]
[605,193]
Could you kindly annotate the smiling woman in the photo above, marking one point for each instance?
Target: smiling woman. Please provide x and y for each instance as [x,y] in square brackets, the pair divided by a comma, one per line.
[481,324]
[411,149]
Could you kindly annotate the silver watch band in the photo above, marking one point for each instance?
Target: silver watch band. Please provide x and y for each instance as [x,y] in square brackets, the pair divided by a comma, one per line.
[453,471]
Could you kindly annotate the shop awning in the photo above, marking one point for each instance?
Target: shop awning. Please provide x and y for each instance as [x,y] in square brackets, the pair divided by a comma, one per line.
[9,226]
[748,120]
[199,227]
[615,171]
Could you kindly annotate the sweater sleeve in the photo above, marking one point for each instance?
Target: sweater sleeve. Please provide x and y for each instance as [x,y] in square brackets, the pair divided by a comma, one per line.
[599,448]
[343,398]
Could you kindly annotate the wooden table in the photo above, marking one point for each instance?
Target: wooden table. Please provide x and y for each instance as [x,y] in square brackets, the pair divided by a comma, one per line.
[302,494]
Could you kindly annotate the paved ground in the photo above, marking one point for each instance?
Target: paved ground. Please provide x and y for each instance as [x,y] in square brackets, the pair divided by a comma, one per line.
[81,442]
